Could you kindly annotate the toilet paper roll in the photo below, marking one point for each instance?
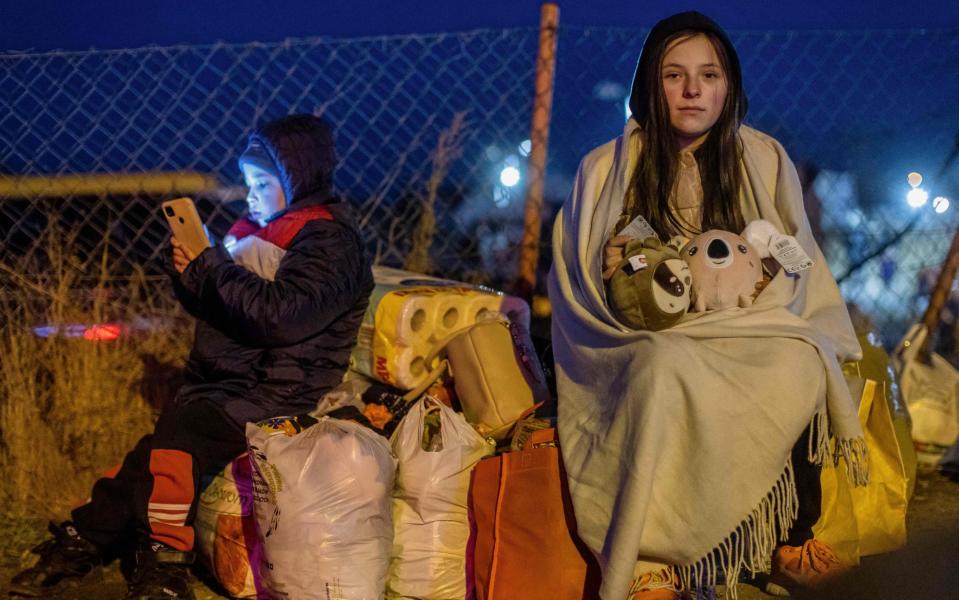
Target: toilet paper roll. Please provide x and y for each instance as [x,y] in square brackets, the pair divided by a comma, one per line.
[409,312]
[398,318]
[480,305]
[401,366]
[408,319]
[451,314]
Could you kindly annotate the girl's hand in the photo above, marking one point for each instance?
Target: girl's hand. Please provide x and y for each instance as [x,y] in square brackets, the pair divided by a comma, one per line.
[613,254]
[770,269]
[182,257]
[761,285]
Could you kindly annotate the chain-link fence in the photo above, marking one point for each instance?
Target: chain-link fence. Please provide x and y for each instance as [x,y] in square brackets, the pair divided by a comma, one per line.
[857,110]
[189,109]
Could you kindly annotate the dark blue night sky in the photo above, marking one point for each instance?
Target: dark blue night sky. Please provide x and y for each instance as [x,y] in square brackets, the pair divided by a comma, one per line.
[51,24]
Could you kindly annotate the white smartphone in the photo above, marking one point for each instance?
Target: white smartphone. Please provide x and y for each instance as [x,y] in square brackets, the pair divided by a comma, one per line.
[186,225]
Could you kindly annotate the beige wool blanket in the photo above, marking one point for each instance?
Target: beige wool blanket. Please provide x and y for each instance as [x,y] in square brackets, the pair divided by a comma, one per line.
[677,443]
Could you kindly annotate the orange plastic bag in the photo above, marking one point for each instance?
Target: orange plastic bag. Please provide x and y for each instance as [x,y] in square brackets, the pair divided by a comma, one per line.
[523,536]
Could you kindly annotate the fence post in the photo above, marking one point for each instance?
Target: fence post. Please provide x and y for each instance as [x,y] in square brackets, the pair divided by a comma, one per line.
[539,136]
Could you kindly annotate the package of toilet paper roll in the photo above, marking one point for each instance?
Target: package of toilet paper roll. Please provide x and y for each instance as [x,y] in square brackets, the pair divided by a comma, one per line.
[409,312]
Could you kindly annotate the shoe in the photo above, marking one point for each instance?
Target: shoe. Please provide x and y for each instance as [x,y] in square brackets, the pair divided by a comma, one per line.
[809,566]
[66,556]
[656,585]
[162,573]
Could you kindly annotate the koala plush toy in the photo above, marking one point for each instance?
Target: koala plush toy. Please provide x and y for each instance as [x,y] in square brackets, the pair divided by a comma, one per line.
[650,288]
[725,267]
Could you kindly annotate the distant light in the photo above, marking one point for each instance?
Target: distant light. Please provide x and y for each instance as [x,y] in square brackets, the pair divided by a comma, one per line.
[502,196]
[914,179]
[97,333]
[73,330]
[45,330]
[940,204]
[524,147]
[608,90]
[917,197]
[102,333]
[854,218]
[493,153]
[509,176]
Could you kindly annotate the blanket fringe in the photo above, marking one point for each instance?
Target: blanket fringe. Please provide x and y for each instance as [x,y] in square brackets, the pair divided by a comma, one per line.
[751,544]
[853,451]
[819,438]
[856,455]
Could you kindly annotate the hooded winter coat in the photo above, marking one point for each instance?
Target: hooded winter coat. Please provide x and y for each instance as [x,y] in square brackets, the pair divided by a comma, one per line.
[279,331]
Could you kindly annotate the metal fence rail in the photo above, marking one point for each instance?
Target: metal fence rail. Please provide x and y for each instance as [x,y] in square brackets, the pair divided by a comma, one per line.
[188,109]
[856,109]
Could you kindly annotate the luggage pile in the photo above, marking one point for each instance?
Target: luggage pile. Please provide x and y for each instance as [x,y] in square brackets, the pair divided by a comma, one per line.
[378,494]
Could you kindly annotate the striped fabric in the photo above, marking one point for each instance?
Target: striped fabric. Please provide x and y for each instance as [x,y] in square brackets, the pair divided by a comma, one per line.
[171,498]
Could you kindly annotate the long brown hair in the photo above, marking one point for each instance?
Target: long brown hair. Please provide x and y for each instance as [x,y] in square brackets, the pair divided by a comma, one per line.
[718,157]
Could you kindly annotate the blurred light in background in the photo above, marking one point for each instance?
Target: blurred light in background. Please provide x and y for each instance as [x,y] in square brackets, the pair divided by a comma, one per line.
[940,204]
[917,197]
[102,333]
[493,153]
[502,196]
[524,147]
[107,332]
[914,179]
[608,90]
[509,176]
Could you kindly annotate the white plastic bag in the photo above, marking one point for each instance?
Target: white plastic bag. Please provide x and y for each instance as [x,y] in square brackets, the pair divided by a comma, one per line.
[226,537]
[322,504]
[430,521]
[930,392]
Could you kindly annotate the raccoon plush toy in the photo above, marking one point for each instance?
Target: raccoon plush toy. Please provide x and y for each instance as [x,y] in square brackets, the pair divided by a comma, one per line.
[650,288]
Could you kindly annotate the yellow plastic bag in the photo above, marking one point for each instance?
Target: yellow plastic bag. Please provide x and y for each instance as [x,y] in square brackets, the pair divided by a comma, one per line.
[860,521]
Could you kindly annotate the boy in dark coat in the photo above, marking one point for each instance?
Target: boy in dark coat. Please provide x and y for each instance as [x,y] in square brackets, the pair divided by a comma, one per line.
[277,306]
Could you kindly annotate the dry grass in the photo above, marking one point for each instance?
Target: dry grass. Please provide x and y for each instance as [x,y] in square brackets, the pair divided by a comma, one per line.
[449,147]
[70,408]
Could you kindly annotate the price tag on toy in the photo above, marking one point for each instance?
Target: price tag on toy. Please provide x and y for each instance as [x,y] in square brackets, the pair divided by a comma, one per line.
[639,229]
[787,252]
[636,263]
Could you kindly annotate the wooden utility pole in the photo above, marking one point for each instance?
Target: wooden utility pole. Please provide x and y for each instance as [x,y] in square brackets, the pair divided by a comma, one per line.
[539,136]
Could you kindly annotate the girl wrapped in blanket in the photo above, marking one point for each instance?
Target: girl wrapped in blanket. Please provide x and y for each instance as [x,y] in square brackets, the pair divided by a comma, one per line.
[693,452]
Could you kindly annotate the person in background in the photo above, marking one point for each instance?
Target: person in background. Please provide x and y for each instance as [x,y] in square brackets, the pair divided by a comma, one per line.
[686,449]
[808,172]
[277,310]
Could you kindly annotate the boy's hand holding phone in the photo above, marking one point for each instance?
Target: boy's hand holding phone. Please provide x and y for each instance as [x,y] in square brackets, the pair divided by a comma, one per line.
[189,237]
[182,256]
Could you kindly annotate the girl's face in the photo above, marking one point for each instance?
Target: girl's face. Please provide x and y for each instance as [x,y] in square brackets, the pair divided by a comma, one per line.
[265,197]
[694,83]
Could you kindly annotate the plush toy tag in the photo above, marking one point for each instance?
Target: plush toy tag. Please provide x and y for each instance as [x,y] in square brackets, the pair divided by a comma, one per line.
[787,252]
[637,263]
[639,229]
